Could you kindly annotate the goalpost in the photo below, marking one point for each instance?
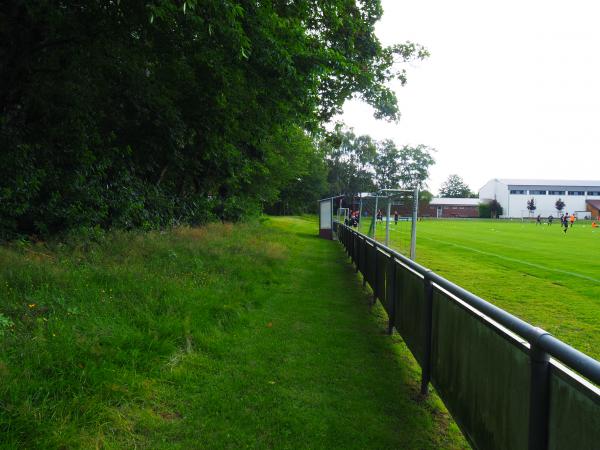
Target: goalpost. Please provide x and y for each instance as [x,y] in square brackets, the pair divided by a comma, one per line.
[343,214]
[369,209]
[375,208]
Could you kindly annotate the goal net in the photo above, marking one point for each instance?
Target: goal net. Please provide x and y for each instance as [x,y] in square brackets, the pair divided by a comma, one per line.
[389,216]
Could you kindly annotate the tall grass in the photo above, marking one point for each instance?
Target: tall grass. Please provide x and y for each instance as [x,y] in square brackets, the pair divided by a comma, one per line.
[253,335]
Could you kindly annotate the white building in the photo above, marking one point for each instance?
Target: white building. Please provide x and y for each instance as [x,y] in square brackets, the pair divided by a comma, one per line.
[513,195]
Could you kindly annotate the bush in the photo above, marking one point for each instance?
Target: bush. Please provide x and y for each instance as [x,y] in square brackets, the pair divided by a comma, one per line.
[491,209]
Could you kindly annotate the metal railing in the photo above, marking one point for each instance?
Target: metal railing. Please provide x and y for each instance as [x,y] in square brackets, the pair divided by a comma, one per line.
[507,384]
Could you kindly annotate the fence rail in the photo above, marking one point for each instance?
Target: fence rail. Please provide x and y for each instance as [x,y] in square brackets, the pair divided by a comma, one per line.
[508,384]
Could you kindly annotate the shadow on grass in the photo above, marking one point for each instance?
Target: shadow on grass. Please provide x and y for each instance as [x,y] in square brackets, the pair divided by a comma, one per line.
[303,234]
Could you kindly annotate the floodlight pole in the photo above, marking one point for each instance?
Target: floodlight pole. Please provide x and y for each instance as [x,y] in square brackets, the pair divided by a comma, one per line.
[413,231]
[387,225]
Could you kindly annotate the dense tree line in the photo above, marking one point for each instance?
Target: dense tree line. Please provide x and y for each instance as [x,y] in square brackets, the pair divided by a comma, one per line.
[148,113]
[361,164]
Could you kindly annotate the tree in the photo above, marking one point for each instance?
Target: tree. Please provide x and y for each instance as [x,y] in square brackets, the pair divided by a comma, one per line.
[491,209]
[386,165]
[143,114]
[301,194]
[406,168]
[455,187]
[350,160]
[414,166]
[531,206]
[361,164]
[559,205]
[425,198]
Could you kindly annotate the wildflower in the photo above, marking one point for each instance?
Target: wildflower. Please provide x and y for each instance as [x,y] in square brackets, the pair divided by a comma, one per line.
[31,305]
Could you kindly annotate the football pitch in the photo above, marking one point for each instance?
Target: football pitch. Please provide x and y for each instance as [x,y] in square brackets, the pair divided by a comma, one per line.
[536,272]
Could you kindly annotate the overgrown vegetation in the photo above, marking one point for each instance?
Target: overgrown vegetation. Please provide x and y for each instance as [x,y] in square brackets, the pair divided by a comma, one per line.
[246,336]
[144,114]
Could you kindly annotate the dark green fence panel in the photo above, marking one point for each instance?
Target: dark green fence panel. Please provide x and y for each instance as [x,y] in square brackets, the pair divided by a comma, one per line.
[409,317]
[482,371]
[574,420]
[362,251]
[370,265]
[387,302]
[482,374]
[382,262]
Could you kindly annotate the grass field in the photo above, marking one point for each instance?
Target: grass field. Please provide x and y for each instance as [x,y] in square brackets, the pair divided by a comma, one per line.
[247,336]
[539,273]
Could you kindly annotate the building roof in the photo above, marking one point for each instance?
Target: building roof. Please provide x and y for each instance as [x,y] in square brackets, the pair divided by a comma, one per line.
[594,203]
[534,182]
[454,201]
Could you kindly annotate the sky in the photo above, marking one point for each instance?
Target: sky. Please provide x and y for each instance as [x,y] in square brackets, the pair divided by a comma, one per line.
[511,89]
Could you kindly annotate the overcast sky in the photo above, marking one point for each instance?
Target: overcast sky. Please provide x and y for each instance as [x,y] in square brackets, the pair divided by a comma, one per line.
[511,89]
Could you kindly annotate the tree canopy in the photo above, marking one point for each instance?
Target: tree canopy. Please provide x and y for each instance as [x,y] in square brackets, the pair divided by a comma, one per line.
[360,164]
[406,167]
[144,114]
[455,187]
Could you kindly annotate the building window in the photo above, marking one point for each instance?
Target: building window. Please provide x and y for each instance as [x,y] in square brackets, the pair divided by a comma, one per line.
[537,192]
[593,193]
[576,193]
[556,192]
[517,191]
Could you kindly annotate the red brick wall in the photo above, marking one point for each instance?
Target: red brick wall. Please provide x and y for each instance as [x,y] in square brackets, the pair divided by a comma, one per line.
[449,211]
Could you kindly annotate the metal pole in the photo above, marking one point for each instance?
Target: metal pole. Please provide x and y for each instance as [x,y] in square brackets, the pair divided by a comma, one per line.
[387,225]
[392,298]
[375,217]
[331,217]
[539,391]
[413,231]
[428,313]
[359,214]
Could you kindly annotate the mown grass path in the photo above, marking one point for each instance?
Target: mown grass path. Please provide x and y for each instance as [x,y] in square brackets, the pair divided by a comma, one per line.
[327,375]
[251,336]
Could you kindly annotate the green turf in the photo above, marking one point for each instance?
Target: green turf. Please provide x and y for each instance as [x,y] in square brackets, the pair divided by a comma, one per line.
[539,273]
[249,336]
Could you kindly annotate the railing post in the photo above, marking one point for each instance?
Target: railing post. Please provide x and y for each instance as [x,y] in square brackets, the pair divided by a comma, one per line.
[349,245]
[428,298]
[375,277]
[538,394]
[413,230]
[364,262]
[357,250]
[392,288]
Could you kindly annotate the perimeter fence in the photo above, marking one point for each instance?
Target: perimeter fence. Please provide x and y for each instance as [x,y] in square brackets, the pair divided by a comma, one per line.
[507,384]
